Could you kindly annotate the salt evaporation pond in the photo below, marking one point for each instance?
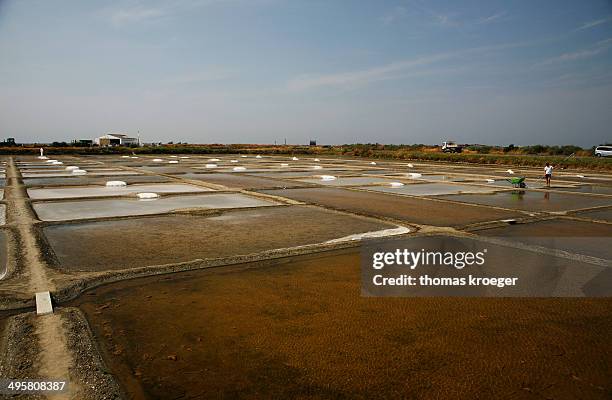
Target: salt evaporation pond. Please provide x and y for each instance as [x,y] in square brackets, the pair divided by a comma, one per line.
[429,189]
[69,210]
[89,172]
[100,191]
[348,181]
[84,180]
[534,200]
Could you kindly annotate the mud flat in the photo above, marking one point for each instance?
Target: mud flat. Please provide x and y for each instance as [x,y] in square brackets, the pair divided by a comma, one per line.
[241,181]
[178,238]
[419,211]
[297,328]
[91,180]
[587,238]
[68,210]
[532,200]
[430,189]
[101,191]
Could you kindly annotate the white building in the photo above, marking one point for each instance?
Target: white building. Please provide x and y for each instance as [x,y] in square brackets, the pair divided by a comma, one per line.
[116,139]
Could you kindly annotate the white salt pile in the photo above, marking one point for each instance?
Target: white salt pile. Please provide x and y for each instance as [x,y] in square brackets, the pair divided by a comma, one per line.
[509,171]
[125,156]
[173,156]
[71,168]
[116,184]
[147,196]
[579,176]
[410,165]
[295,158]
[396,184]
[214,160]
[210,166]
[183,157]
[234,161]
[239,169]
[490,180]
[51,161]
[284,165]
[56,163]
[258,156]
[79,172]
[133,157]
[328,178]
[372,163]
[316,160]
[243,156]
[43,157]
[414,175]
[173,162]
[317,167]
[157,160]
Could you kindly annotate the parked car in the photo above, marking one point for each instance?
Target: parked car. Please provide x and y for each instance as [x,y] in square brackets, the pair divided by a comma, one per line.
[603,151]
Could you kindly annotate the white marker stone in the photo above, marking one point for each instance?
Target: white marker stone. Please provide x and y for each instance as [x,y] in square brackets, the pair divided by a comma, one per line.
[43,303]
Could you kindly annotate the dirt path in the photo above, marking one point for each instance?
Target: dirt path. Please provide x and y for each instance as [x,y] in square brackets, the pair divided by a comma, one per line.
[55,359]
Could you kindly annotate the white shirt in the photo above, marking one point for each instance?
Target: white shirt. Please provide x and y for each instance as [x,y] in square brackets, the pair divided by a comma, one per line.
[548,170]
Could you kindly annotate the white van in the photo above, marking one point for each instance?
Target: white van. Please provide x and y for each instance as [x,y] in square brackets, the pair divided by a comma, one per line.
[603,151]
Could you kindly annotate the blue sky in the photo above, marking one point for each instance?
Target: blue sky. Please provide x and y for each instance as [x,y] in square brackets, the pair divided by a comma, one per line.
[256,71]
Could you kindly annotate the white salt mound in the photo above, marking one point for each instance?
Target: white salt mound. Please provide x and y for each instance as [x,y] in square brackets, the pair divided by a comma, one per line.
[71,168]
[210,166]
[316,160]
[258,156]
[490,180]
[173,156]
[396,184]
[184,157]
[509,171]
[173,162]
[243,156]
[147,196]
[295,158]
[157,160]
[410,165]
[284,165]
[239,169]
[414,175]
[79,172]
[328,178]
[372,163]
[116,184]
[125,156]
[317,167]
[214,160]
[234,161]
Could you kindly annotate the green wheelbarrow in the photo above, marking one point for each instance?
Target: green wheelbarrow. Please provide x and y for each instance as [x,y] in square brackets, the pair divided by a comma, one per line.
[518,182]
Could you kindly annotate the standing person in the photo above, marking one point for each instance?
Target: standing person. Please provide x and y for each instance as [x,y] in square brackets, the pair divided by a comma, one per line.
[548,173]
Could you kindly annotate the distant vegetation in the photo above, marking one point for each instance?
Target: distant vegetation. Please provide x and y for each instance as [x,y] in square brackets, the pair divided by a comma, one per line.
[537,155]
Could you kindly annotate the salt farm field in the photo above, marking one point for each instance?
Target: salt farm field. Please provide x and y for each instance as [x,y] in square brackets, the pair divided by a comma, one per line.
[240,278]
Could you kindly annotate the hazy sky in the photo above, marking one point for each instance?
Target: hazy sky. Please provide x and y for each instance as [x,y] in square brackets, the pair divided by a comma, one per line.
[241,71]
